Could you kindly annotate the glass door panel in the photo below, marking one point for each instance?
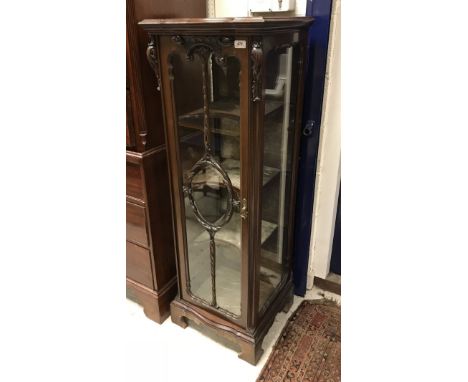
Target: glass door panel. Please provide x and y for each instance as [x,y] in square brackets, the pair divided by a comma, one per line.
[206,92]
[281,70]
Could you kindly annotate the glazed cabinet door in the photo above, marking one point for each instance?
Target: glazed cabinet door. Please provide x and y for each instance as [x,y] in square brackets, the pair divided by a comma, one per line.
[282,57]
[205,90]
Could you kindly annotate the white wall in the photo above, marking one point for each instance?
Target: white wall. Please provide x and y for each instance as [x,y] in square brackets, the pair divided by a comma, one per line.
[231,8]
[329,158]
[240,8]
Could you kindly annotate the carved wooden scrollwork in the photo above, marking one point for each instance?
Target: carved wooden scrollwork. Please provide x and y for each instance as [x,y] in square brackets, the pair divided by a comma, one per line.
[257,70]
[204,46]
[178,40]
[153,60]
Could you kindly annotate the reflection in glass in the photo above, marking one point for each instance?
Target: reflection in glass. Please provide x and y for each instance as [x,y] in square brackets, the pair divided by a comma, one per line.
[210,194]
[281,57]
[213,241]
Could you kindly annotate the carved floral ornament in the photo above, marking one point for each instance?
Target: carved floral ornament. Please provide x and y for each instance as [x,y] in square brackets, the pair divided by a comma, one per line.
[205,46]
[153,60]
[257,61]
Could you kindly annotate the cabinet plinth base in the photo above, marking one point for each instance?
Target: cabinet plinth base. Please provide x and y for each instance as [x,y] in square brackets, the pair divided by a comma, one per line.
[250,352]
[249,342]
[155,305]
[177,316]
[288,302]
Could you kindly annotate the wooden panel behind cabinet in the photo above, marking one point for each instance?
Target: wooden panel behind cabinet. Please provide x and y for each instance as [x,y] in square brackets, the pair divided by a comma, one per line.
[130,129]
[146,98]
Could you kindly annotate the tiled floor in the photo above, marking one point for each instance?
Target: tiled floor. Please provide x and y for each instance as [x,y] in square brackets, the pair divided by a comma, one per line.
[155,352]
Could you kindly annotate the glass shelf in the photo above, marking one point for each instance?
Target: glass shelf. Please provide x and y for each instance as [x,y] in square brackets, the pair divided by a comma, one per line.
[222,110]
[232,167]
[229,126]
[231,232]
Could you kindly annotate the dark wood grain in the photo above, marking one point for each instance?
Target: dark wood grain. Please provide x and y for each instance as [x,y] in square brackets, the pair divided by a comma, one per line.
[246,182]
[130,128]
[136,224]
[134,181]
[150,251]
[139,265]
[249,341]
[240,25]
[160,216]
[328,285]
[135,99]
[156,305]
[147,97]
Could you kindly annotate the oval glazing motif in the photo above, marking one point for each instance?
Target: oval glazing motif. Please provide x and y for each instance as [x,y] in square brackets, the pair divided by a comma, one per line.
[209,183]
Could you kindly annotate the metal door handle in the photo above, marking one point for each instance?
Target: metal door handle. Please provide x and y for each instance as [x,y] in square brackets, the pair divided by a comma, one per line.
[243,212]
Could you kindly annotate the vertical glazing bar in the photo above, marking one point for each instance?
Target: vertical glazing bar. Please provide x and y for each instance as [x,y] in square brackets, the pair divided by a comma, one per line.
[213,268]
[206,109]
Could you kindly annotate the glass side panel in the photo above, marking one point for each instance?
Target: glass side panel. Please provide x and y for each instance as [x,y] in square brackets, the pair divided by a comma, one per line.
[281,56]
[206,98]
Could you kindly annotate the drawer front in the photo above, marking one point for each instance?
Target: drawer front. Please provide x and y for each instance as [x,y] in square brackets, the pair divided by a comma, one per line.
[136,224]
[134,181]
[139,265]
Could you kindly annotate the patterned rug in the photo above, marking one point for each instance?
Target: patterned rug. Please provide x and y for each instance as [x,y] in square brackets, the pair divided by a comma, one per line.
[309,347]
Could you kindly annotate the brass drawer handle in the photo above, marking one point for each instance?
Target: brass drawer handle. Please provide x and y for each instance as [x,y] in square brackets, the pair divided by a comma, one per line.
[243,212]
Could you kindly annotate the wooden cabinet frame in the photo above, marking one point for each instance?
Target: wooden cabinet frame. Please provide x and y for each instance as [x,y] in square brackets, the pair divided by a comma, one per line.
[249,329]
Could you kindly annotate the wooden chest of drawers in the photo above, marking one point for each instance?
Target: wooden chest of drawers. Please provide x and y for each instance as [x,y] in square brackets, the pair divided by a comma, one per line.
[151,271]
[151,274]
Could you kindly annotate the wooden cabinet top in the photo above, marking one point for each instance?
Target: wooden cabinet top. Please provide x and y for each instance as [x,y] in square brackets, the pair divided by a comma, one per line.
[237,24]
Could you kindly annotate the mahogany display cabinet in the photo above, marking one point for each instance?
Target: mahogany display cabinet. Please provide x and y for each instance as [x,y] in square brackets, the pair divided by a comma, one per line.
[232,100]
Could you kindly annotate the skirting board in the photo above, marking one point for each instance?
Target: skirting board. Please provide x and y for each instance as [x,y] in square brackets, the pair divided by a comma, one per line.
[328,285]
